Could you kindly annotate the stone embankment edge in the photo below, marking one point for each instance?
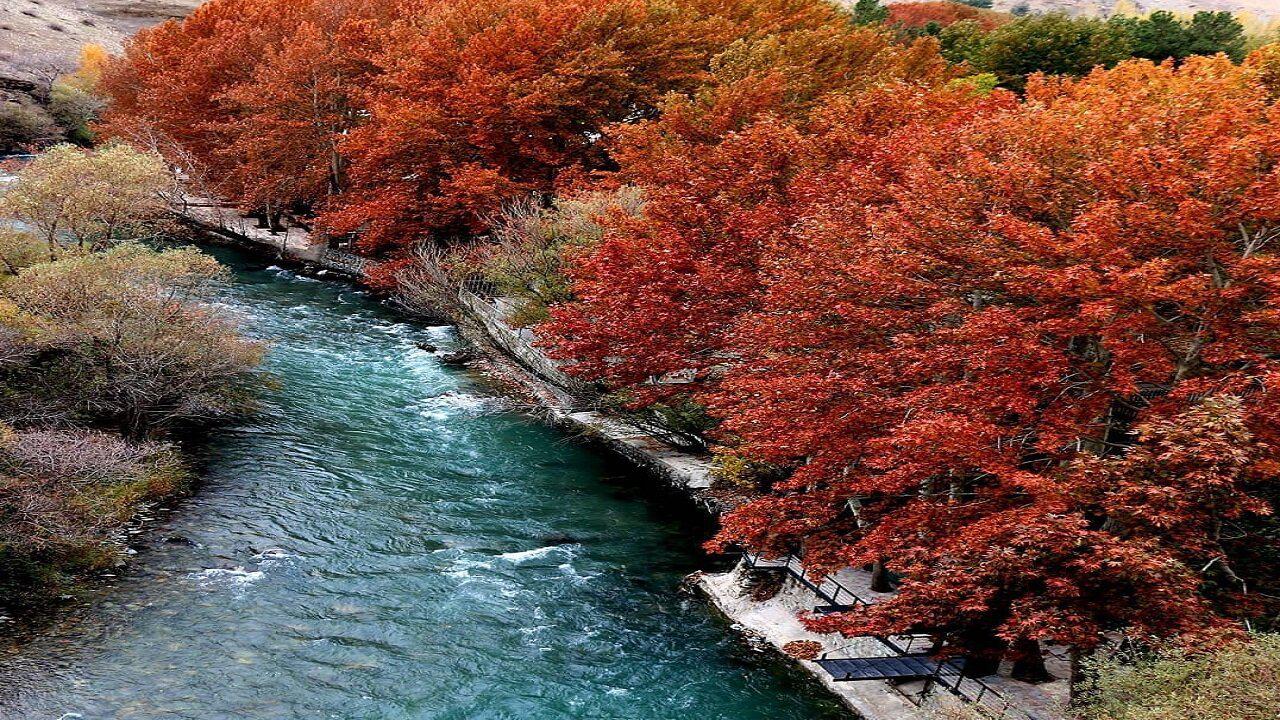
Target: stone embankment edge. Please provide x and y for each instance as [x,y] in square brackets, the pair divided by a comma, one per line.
[773,622]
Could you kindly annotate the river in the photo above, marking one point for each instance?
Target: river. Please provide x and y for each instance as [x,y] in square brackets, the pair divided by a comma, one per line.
[387,540]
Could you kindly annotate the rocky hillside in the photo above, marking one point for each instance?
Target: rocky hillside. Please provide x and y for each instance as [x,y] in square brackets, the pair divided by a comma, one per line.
[1260,10]
[39,36]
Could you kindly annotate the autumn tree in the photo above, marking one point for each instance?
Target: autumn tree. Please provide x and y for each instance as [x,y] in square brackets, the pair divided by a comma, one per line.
[941,14]
[88,199]
[126,339]
[983,336]
[248,97]
[460,123]
[715,170]
[1040,316]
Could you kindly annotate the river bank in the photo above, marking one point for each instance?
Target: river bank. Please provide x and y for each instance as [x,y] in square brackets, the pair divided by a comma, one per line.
[390,538]
[510,356]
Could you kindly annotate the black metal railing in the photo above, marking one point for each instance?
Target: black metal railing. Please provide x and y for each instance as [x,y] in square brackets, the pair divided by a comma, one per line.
[481,287]
[826,587]
[949,674]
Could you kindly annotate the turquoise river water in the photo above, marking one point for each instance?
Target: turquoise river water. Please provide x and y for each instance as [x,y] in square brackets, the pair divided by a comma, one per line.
[389,540]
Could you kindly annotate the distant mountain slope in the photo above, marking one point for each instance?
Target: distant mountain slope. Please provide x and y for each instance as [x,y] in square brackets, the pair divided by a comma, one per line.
[36,34]
[1261,10]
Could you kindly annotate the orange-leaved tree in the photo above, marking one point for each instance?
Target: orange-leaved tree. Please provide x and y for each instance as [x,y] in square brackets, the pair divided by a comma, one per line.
[661,291]
[1040,375]
[1022,351]
[481,103]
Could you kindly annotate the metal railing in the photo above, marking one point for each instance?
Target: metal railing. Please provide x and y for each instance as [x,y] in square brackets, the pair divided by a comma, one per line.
[825,587]
[950,676]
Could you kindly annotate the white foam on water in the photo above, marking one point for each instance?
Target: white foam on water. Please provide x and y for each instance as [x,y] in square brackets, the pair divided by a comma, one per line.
[461,567]
[458,404]
[272,554]
[568,570]
[290,275]
[523,555]
[236,577]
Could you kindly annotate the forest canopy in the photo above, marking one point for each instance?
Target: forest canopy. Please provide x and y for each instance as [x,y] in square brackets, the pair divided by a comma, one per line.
[990,303]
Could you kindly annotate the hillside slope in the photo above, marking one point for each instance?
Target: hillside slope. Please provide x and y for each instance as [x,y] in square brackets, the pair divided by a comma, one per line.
[36,35]
[1260,10]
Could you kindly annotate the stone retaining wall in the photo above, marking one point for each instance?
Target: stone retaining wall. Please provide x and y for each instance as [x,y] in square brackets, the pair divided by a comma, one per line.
[517,342]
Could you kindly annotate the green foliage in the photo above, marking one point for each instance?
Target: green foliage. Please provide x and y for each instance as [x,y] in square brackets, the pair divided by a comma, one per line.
[1216,32]
[73,108]
[23,125]
[963,41]
[1240,682]
[1162,35]
[982,4]
[980,84]
[869,12]
[1054,44]
[531,243]
[1156,37]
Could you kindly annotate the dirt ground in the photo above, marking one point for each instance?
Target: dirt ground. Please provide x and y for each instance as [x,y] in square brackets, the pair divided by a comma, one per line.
[1257,15]
[37,35]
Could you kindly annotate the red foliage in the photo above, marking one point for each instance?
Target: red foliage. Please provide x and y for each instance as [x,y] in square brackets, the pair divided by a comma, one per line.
[1022,350]
[663,292]
[407,119]
[943,13]
[253,94]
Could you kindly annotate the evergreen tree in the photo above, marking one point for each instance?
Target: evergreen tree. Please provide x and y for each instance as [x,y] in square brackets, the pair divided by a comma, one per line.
[1157,37]
[869,12]
[1211,33]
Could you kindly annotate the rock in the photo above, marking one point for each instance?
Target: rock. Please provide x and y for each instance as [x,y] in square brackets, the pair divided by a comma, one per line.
[180,540]
[427,347]
[558,539]
[457,357]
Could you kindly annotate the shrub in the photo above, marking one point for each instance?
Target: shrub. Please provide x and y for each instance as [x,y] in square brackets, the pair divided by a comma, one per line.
[73,109]
[64,495]
[1241,682]
[24,125]
[89,199]
[677,421]
[531,242]
[127,340]
[427,284]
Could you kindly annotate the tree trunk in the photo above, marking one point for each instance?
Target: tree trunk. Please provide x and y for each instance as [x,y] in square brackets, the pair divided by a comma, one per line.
[880,578]
[984,652]
[1028,662]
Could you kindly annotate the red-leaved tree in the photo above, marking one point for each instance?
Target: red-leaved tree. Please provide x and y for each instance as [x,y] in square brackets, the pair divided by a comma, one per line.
[1022,352]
